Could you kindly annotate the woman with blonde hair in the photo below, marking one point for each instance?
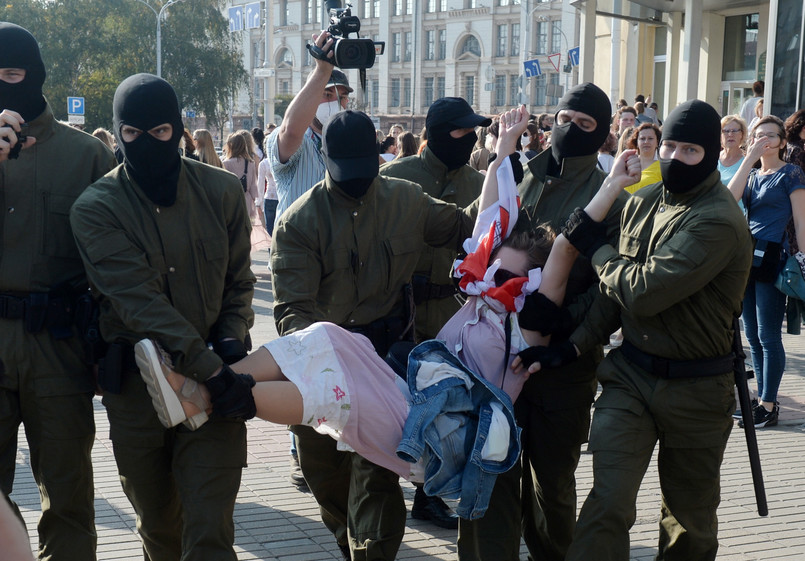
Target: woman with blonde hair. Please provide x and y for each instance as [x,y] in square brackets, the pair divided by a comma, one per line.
[205,149]
[733,140]
[239,159]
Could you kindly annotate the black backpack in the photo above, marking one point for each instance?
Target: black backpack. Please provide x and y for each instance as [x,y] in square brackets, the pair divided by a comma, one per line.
[243,181]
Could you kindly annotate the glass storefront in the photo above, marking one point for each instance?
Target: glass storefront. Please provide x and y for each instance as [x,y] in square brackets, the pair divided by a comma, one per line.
[740,48]
[787,67]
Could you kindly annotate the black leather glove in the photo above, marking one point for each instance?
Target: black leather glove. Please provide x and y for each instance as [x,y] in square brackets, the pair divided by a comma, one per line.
[517,166]
[231,394]
[584,233]
[230,351]
[540,314]
[549,357]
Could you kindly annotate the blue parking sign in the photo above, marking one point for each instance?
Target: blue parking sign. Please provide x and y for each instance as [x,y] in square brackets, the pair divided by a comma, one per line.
[75,105]
[531,68]
[573,55]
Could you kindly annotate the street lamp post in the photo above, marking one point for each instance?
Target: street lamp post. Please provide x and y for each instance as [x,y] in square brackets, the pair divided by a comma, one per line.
[158,15]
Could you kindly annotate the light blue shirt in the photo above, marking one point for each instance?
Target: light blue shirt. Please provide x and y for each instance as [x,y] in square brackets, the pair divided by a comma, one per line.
[302,171]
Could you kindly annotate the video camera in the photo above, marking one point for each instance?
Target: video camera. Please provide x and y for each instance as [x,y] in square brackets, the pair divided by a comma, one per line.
[350,53]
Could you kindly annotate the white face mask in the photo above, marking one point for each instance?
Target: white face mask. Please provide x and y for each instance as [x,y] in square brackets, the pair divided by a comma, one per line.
[327,110]
[525,139]
[489,143]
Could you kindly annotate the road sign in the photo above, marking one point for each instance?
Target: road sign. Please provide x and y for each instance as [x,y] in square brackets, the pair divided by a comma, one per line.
[75,105]
[531,68]
[253,16]
[75,119]
[573,55]
[236,18]
[190,114]
[554,60]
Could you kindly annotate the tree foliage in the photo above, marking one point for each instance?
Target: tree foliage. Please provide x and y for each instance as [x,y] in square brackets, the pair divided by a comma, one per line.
[90,46]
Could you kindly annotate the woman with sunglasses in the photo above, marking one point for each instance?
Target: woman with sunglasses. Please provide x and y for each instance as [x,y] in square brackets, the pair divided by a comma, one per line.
[771,195]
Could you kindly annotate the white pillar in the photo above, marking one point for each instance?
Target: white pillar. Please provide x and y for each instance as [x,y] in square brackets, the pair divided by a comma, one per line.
[587,47]
[688,87]
[672,68]
[615,57]
[270,88]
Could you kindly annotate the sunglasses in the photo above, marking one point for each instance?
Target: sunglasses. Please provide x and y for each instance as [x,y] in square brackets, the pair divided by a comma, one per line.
[502,276]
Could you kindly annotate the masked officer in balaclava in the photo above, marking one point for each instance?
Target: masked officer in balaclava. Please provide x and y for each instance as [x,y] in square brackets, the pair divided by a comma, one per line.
[442,170]
[554,407]
[165,241]
[674,282]
[45,379]
[343,253]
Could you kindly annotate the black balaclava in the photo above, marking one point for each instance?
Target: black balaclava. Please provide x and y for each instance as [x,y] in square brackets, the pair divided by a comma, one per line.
[144,101]
[567,139]
[20,50]
[695,122]
[453,152]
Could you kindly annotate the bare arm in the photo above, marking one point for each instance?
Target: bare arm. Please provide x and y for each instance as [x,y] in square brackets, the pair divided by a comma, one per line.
[512,125]
[302,109]
[738,182]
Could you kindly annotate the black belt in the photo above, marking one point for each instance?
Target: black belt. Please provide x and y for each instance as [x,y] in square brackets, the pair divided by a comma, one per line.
[426,290]
[669,368]
[39,310]
[12,307]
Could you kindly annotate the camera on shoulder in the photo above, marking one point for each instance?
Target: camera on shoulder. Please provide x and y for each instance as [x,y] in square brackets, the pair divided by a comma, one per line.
[350,52]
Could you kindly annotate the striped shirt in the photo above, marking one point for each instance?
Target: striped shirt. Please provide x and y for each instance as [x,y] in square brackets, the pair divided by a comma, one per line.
[302,171]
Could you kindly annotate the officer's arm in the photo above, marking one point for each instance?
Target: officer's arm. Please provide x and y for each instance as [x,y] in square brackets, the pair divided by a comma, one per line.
[601,320]
[680,267]
[296,271]
[446,225]
[119,269]
[236,315]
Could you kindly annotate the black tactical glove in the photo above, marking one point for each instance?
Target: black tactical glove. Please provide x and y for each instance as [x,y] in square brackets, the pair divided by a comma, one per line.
[540,314]
[231,394]
[584,233]
[517,166]
[549,357]
[230,351]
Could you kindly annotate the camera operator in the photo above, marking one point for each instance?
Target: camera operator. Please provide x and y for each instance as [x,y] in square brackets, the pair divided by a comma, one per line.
[45,381]
[294,149]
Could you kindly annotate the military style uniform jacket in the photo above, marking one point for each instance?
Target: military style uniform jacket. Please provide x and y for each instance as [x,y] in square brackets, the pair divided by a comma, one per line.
[37,250]
[461,187]
[178,274]
[345,260]
[677,277]
[545,198]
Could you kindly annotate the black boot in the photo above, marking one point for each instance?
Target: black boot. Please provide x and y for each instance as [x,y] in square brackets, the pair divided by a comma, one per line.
[433,509]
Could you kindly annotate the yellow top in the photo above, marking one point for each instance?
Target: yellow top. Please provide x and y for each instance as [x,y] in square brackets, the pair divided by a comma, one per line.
[649,176]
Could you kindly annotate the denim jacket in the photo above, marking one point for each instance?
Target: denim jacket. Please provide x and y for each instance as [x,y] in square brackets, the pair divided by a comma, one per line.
[447,427]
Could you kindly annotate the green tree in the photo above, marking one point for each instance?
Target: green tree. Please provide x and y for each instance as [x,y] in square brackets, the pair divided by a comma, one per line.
[90,46]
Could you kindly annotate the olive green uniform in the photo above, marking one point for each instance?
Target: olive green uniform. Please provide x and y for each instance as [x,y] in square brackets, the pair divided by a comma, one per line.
[462,187]
[345,261]
[45,381]
[180,275]
[675,283]
[554,407]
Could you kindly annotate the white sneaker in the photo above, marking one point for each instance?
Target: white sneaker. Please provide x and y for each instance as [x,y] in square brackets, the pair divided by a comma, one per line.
[155,364]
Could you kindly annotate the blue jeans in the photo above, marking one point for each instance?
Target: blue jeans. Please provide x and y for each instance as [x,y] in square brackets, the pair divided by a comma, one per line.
[764,308]
[270,212]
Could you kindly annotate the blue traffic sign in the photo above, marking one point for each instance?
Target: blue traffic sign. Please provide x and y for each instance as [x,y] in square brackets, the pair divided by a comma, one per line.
[573,55]
[531,68]
[75,105]
[236,18]
[253,16]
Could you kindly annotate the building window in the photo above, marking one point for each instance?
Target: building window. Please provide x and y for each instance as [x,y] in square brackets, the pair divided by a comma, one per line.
[515,44]
[428,97]
[471,45]
[440,87]
[431,6]
[395,47]
[542,39]
[407,46]
[407,92]
[500,90]
[375,93]
[442,7]
[442,44]
[409,8]
[554,89]
[313,11]
[540,87]
[376,9]
[285,87]
[514,90]
[501,50]
[367,8]
[283,13]
[556,36]
[395,92]
[398,7]
[740,47]
[430,44]
[469,89]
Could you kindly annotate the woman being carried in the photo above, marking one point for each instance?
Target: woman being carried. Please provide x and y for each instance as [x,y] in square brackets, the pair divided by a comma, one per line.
[333,380]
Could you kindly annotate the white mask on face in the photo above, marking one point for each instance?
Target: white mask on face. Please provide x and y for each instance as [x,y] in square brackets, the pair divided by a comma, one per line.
[327,110]
[525,139]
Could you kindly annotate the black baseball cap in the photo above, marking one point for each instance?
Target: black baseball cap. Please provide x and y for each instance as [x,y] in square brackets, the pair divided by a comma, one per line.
[456,112]
[338,78]
[349,146]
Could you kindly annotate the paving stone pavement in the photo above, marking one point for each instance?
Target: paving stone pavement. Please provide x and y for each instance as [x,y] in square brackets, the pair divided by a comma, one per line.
[275,522]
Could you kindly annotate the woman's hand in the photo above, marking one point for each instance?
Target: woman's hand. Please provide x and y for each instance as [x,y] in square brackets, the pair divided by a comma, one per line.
[757,147]
[512,125]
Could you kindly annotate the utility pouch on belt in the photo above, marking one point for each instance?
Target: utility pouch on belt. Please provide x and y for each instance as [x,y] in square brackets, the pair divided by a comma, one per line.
[110,369]
[87,323]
